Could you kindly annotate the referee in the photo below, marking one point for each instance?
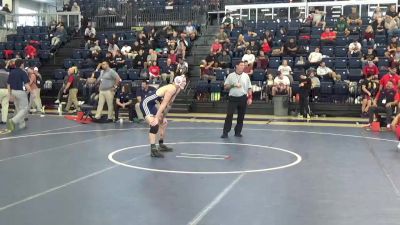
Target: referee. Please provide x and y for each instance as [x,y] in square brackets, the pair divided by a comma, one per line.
[240,95]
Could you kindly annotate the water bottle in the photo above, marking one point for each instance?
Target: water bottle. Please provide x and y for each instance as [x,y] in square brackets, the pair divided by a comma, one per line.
[59,109]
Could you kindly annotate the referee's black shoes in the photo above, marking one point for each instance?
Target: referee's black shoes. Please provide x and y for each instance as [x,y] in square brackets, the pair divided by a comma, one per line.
[224,135]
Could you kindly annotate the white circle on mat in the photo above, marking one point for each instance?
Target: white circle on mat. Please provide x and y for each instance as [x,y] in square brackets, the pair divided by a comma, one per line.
[295,162]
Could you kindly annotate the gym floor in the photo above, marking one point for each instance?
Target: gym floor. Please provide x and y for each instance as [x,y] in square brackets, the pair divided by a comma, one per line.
[59,172]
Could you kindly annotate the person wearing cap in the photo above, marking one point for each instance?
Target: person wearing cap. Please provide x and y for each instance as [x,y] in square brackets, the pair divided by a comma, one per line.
[240,95]
[18,89]
[156,118]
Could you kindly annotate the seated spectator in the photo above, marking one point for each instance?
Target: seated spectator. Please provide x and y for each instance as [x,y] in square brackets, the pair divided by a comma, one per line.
[249,57]
[379,26]
[227,21]
[395,58]
[391,48]
[144,90]
[31,51]
[172,56]
[301,63]
[240,46]
[206,72]
[124,101]
[354,18]
[315,85]
[144,72]
[221,36]
[354,49]
[190,30]
[267,36]
[224,60]
[253,47]
[119,60]
[342,26]
[286,70]
[168,72]
[315,57]
[370,69]
[154,71]
[6,9]
[126,51]
[391,76]
[392,12]
[391,26]
[113,48]
[369,89]
[269,85]
[248,68]
[182,67]
[139,60]
[90,32]
[216,47]
[249,36]
[181,48]
[281,85]
[377,13]
[228,47]
[317,19]
[328,37]
[95,49]
[136,48]
[262,61]
[152,56]
[369,36]
[371,55]
[266,48]
[384,102]
[326,73]
[75,7]
[290,48]
[110,60]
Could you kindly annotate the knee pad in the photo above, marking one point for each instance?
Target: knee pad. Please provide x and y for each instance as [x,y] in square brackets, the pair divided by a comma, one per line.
[154,129]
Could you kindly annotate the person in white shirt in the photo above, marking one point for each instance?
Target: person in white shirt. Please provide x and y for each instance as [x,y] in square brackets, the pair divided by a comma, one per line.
[286,70]
[90,32]
[249,57]
[317,19]
[324,71]
[354,49]
[281,85]
[227,21]
[126,51]
[190,30]
[315,57]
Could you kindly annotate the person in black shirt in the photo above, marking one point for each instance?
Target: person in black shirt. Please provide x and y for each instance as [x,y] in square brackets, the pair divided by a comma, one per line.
[141,93]
[384,102]
[369,88]
[18,89]
[290,48]
[6,9]
[139,60]
[370,56]
[304,92]
[119,60]
[123,101]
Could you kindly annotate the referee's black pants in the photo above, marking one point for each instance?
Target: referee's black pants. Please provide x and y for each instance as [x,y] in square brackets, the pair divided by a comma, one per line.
[239,103]
[304,103]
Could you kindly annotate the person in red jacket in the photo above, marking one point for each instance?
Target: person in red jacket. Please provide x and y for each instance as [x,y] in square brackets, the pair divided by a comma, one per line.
[265,47]
[154,71]
[391,76]
[370,69]
[30,51]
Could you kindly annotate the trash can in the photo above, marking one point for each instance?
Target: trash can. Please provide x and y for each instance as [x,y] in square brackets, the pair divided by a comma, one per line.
[281,106]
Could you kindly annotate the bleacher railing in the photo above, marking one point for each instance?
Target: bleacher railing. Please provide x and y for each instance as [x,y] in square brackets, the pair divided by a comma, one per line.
[11,21]
[299,10]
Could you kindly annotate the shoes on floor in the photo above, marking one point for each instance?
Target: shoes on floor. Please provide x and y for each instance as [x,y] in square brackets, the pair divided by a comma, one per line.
[224,135]
[238,135]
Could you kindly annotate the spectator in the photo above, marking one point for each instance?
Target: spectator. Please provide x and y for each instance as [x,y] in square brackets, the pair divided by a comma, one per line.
[96,48]
[154,71]
[354,18]
[391,48]
[113,48]
[227,21]
[216,47]
[173,57]
[369,36]
[262,61]
[318,19]
[354,49]
[206,72]
[286,70]
[377,13]
[34,84]
[144,72]
[379,26]
[123,101]
[370,56]
[144,90]
[391,26]
[249,36]
[281,85]
[250,58]
[190,30]
[6,9]
[182,67]
[66,7]
[326,73]
[4,96]
[395,58]
[290,48]
[240,46]
[90,32]
[342,26]
[222,36]
[248,68]
[152,56]
[369,88]
[119,60]
[253,47]
[75,7]
[328,37]
[315,57]
[391,76]
[268,36]
[139,60]
[266,48]
[72,88]
[126,51]
[370,69]
[315,85]
[168,72]
[30,51]
[384,102]
[392,12]
[224,60]
[108,81]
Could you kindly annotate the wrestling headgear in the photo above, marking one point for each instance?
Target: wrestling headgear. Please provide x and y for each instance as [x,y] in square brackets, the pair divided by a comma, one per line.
[180,81]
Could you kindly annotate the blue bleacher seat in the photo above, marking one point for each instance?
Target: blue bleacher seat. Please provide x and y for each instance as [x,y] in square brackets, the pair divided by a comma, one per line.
[327,50]
[68,63]
[383,62]
[44,54]
[59,74]
[354,74]
[133,74]
[76,54]
[341,63]
[329,62]
[344,73]
[10,45]
[326,91]
[123,73]
[221,74]
[341,41]
[258,75]
[274,62]
[354,63]
[340,51]
[380,51]
[215,86]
